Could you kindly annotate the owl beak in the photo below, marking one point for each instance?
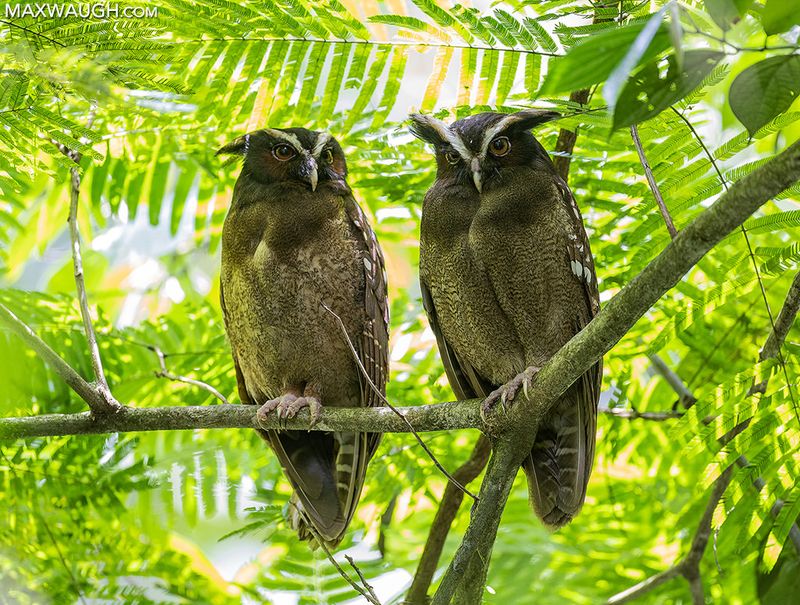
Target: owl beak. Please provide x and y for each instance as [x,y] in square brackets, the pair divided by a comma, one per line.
[476,174]
[308,170]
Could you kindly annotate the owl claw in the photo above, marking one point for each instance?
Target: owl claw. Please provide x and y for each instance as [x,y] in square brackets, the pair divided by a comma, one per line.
[505,394]
[313,405]
[287,405]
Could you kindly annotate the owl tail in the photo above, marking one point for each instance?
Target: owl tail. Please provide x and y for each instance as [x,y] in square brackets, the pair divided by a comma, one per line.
[326,471]
[560,462]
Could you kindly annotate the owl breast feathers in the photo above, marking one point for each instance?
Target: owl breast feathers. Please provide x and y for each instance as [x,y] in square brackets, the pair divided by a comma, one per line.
[299,262]
[507,278]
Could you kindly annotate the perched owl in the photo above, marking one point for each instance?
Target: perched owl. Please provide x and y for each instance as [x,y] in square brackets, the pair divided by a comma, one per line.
[507,278]
[298,255]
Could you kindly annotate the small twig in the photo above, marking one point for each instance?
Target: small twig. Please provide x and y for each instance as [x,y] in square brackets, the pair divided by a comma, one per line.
[101,384]
[442,522]
[686,397]
[394,409]
[365,591]
[635,414]
[366,584]
[756,49]
[75,381]
[742,462]
[741,227]
[648,171]
[644,586]
[163,372]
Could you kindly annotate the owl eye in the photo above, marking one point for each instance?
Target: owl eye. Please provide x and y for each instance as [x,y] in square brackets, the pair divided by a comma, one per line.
[500,146]
[327,156]
[283,152]
[452,157]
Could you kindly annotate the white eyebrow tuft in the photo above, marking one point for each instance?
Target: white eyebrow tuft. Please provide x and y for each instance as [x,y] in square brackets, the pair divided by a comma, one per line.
[449,135]
[489,135]
[288,137]
[322,140]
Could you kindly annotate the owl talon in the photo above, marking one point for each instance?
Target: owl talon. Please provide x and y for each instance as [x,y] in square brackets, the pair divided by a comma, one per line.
[280,405]
[505,394]
[313,405]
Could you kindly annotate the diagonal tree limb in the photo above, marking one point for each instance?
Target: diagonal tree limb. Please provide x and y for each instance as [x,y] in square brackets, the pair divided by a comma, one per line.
[685,397]
[689,566]
[109,403]
[473,555]
[445,515]
[517,432]
[565,144]
[783,322]
[75,381]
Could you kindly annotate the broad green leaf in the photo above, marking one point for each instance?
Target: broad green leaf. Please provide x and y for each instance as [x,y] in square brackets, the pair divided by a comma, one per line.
[676,32]
[594,58]
[764,90]
[780,16]
[616,80]
[650,91]
[726,13]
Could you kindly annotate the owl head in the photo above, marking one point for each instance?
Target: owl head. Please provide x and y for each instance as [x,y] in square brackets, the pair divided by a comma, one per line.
[476,149]
[281,155]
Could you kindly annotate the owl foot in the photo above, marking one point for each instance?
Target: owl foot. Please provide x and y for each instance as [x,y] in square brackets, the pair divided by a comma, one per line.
[287,406]
[313,405]
[506,393]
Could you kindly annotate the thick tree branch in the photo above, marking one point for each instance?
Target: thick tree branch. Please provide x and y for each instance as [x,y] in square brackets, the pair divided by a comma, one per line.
[518,429]
[445,515]
[470,564]
[565,144]
[436,417]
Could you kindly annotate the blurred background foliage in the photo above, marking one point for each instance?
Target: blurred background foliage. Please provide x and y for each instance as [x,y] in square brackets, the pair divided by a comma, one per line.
[195,517]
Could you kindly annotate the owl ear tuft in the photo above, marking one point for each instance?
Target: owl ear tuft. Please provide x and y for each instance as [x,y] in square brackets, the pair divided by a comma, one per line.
[428,129]
[530,118]
[238,146]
